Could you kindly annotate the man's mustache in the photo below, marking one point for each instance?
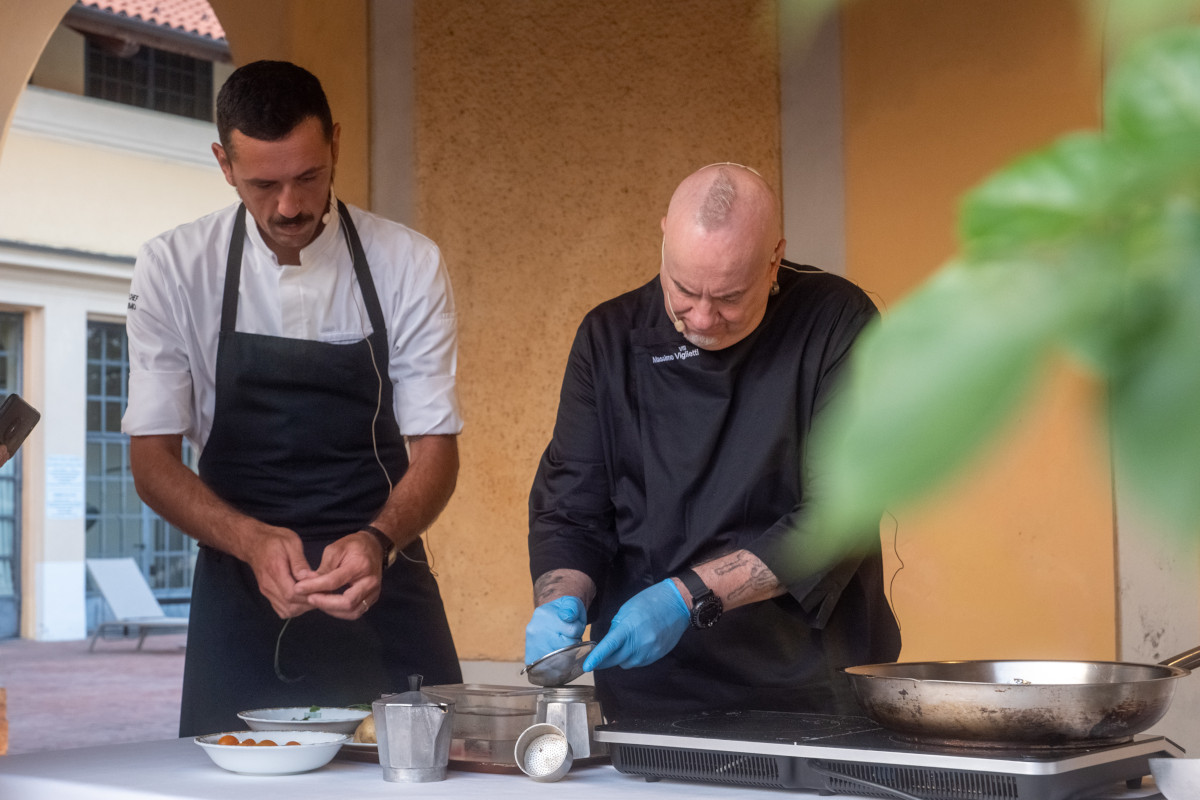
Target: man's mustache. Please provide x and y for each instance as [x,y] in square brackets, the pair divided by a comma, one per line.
[300,219]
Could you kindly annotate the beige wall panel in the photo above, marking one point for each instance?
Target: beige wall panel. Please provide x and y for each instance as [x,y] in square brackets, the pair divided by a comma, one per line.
[1017,559]
[550,135]
[328,39]
[95,199]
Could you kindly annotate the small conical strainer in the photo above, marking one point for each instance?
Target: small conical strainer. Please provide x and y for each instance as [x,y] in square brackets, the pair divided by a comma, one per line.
[543,752]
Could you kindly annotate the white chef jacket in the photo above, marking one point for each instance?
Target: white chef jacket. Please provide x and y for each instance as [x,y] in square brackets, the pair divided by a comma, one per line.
[174,317]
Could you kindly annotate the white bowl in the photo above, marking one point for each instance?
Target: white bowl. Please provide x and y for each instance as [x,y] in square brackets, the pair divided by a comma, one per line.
[316,749]
[1177,778]
[304,718]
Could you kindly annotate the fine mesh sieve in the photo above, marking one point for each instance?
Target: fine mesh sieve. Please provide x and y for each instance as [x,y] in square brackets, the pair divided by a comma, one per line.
[560,666]
[543,753]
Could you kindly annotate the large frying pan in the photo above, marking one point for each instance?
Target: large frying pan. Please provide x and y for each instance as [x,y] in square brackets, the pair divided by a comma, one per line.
[1025,704]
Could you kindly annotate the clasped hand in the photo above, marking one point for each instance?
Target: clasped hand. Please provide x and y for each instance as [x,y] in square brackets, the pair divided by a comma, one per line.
[646,628]
[344,585]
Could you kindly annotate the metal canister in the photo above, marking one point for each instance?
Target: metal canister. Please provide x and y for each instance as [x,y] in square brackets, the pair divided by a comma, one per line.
[574,711]
[414,730]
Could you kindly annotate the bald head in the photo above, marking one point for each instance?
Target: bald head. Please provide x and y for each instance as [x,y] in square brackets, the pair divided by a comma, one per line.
[722,195]
[722,244]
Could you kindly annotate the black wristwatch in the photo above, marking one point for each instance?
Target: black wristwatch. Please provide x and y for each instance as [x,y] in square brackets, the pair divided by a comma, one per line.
[386,542]
[706,606]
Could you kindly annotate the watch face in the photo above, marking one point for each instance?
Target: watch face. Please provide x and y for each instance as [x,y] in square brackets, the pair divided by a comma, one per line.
[707,611]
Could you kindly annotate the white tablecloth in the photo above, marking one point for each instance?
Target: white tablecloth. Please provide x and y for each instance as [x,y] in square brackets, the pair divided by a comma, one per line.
[178,768]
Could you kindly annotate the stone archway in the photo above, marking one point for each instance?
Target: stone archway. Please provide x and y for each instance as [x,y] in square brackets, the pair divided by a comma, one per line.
[332,40]
[28,26]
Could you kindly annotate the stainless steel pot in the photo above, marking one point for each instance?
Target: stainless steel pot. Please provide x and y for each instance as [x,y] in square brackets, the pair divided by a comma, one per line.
[1019,703]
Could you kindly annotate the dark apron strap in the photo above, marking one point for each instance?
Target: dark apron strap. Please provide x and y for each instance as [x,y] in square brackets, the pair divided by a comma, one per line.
[233,272]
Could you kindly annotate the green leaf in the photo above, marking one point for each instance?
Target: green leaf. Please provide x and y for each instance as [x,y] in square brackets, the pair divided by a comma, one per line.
[1066,190]
[1154,93]
[1155,399]
[930,384]
[1093,245]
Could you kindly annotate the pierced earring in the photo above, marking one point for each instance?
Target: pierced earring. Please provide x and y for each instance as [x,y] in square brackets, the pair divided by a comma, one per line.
[774,288]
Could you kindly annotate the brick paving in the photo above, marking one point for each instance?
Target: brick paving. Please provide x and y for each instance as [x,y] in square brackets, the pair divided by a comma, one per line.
[62,696]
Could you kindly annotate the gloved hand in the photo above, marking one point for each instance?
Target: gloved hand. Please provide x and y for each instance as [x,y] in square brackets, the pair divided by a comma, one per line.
[646,628]
[553,626]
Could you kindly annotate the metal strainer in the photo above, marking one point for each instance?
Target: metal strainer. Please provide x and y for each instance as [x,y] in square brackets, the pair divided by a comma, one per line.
[543,753]
[559,667]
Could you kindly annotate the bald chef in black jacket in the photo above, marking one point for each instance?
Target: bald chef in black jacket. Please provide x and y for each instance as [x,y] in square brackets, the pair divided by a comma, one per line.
[668,509]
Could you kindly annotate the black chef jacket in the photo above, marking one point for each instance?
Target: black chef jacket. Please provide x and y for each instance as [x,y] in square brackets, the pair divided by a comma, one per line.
[665,455]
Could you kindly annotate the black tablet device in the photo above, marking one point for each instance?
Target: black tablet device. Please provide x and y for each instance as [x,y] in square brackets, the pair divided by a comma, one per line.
[17,419]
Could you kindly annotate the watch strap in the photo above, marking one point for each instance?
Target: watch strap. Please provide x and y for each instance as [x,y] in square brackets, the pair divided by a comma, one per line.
[695,585]
[385,541]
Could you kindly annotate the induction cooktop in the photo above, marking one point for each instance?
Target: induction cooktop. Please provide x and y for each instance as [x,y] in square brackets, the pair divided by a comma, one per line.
[853,755]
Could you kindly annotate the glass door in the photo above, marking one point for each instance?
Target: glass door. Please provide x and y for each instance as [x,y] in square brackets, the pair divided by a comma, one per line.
[11,330]
[118,524]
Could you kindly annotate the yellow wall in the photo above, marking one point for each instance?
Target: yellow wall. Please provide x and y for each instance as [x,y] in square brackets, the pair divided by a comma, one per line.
[1016,560]
[114,201]
[550,135]
[331,41]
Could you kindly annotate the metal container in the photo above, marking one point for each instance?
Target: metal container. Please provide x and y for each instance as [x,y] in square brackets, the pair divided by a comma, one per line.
[543,753]
[574,711]
[414,730]
[487,721]
[1024,704]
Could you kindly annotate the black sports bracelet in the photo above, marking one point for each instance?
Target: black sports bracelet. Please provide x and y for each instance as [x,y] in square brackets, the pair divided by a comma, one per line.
[385,541]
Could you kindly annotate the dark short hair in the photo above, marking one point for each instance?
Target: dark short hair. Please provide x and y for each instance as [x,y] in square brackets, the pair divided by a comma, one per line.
[267,99]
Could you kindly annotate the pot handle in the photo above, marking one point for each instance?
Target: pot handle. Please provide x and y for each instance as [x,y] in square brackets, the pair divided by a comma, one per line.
[1188,659]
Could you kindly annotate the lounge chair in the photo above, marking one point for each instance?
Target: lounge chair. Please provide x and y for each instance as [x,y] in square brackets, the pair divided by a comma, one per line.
[133,604]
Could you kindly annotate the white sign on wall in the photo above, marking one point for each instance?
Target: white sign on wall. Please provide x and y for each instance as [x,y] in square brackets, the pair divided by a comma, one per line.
[64,487]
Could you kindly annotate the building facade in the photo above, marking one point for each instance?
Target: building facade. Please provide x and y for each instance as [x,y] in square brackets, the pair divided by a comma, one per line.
[109,145]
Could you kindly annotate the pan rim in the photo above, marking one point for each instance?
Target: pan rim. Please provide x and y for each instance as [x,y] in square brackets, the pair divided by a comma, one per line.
[865,670]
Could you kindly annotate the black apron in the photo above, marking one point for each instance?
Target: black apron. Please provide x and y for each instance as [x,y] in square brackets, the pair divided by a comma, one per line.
[292,445]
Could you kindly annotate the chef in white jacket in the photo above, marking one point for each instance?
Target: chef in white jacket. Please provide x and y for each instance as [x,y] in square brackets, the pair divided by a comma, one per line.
[306,349]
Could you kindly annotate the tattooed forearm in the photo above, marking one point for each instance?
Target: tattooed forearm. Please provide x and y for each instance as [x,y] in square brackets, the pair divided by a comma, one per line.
[546,587]
[559,582]
[740,578]
[758,582]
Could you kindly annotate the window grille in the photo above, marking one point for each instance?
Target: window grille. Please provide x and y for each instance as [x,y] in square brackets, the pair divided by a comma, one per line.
[118,523]
[155,79]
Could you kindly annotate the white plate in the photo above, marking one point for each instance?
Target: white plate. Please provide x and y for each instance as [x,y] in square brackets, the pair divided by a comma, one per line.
[316,749]
[1176,778]
[365,747]
[304,718]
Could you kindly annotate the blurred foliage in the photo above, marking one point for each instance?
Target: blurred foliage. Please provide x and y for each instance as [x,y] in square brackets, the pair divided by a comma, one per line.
[1089,248]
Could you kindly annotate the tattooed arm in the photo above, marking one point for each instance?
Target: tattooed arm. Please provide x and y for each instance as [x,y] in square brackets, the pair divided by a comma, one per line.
[558,582]
[739,578]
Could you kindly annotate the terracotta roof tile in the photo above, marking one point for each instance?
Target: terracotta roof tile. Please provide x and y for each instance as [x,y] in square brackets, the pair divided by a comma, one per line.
[189,16]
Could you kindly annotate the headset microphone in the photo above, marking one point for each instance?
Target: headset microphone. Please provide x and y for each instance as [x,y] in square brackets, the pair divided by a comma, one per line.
[329,210]
[671,308]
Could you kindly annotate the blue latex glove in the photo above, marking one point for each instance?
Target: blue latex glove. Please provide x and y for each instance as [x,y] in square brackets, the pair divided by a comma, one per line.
[553,626]
[646,628]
